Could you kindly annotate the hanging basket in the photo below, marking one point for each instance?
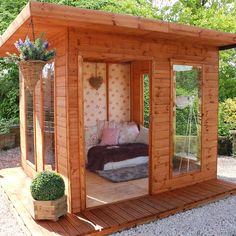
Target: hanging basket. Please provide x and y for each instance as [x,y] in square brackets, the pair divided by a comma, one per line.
[31,71]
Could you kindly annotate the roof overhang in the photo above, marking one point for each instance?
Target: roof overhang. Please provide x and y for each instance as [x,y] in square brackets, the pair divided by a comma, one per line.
[51,18]
[231,46]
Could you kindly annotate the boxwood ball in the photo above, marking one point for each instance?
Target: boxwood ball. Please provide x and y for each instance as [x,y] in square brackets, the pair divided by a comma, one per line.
[47,186]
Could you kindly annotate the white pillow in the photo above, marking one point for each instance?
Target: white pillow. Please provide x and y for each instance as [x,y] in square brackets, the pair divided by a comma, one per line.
[128,133]
[143,136]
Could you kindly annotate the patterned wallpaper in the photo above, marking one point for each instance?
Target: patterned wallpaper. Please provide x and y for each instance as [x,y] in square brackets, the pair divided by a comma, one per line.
[119,93]
[94,100]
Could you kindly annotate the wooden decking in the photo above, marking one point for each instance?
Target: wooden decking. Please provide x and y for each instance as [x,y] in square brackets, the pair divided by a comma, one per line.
[112,217]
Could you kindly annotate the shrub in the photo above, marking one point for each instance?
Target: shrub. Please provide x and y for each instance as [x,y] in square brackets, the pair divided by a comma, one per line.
[227,116]
[47,186]
[224,146]
[7,124]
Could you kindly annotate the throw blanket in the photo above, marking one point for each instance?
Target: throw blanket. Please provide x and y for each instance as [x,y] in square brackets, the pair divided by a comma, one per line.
[98,156]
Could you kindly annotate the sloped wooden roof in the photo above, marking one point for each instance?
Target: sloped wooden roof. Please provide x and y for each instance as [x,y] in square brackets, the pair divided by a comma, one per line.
[50,18]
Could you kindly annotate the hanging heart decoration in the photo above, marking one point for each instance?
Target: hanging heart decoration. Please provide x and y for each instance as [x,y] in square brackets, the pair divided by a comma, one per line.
[95,82]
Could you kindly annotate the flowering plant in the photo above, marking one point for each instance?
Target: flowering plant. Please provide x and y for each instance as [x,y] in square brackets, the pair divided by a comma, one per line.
[29,50]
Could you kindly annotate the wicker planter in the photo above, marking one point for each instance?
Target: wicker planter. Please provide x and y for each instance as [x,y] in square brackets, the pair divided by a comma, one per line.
[49,210]
[31,71]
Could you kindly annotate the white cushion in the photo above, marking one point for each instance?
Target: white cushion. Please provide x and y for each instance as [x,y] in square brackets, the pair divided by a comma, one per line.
[143,136]
[128,133]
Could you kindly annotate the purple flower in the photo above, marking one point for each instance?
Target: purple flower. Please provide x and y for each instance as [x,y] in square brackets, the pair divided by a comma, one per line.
[45,45]
[28,42]
[18,44]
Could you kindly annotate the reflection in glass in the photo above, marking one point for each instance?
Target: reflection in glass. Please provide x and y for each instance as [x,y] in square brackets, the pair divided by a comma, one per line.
[48,101]
[186,118]
[30,126]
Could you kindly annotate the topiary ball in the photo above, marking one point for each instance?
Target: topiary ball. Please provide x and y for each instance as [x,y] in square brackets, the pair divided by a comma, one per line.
[47,186]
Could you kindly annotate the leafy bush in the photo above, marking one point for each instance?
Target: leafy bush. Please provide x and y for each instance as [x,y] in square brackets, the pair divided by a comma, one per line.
[47,186]
[146,101]
[227,116]
[224,146]
[7,124]
[9,91]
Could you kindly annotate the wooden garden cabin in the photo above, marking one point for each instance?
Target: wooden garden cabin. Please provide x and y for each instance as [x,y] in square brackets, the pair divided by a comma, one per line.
[152,47]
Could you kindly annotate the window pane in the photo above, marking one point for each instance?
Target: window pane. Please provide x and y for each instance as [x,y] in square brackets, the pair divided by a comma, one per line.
[30,126]
[186,118]
[48,101]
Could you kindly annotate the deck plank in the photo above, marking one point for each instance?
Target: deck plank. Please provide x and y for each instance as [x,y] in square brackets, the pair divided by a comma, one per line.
[112,217]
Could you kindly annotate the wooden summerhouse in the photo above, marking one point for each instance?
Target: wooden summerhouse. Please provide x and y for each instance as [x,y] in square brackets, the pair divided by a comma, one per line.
[181,63]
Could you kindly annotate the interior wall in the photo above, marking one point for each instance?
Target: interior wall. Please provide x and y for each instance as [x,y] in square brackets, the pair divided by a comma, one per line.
[95,107]
[112,100]
[119,92]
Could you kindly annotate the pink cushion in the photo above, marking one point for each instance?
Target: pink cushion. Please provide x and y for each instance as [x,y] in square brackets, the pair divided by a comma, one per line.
[102,124]
[110,136]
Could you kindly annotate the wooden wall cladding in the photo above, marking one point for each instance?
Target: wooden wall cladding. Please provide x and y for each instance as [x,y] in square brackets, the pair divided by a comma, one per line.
[75,119]
[98,46]
[60,109]
[69,118]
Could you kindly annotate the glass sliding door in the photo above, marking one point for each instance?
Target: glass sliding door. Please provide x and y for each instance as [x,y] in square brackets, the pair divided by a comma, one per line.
[187,96]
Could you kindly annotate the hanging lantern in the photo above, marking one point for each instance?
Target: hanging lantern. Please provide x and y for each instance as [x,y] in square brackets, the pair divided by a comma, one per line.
[31,71]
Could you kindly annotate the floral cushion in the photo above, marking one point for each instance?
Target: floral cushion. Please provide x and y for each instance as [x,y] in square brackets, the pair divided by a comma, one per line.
[128,133]
[91,136]
[110,136]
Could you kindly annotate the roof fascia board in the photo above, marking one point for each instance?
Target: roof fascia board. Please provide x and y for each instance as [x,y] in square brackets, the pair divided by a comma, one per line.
[231,46]
[70,14]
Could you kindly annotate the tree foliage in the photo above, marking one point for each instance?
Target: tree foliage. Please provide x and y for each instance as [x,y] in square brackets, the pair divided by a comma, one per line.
[212,14]
[227,116]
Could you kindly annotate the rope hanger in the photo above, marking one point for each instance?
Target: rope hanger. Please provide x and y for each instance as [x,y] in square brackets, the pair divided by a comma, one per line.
[31,25]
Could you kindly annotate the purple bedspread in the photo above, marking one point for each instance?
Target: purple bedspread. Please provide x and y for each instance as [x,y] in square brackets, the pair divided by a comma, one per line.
[98,156]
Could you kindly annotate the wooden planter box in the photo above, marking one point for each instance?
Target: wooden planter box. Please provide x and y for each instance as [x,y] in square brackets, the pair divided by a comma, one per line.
[49,210]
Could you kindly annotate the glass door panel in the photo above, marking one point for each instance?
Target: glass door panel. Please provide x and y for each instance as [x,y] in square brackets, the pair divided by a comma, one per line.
[187,96]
